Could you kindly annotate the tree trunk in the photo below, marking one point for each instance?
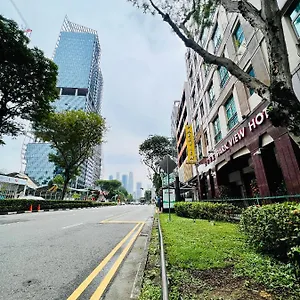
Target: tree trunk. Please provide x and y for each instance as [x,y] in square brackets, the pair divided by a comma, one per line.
[66,182]
[285,106]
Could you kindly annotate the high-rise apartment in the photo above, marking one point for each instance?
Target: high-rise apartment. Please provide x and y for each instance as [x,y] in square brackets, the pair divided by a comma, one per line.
[77,54]
[239,151]
[138,190]
[130,183]
[125,181]
[118,176]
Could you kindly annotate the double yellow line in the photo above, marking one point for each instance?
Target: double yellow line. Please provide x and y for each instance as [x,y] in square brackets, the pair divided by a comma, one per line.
[106,280]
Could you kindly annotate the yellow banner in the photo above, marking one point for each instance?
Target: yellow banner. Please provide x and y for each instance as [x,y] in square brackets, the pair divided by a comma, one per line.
[190,144]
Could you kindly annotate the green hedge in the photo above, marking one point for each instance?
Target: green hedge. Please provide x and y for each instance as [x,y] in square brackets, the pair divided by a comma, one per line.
[205,210]
[273,228]
[21,205]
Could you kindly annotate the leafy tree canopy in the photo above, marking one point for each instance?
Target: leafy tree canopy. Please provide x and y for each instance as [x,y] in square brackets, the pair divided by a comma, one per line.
[154,149]
[27,80]
[147,195]
[73,135]
[109,186]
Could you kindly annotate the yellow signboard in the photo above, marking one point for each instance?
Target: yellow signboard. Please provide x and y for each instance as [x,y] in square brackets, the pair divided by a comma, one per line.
[190,144]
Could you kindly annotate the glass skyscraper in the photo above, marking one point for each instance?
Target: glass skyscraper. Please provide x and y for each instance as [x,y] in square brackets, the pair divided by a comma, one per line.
[80,82]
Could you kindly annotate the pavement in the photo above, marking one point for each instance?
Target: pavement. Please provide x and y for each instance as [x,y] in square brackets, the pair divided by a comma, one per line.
[96,253]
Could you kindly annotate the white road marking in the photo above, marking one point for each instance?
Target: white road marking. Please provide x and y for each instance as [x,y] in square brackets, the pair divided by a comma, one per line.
[70,226]
[9,224]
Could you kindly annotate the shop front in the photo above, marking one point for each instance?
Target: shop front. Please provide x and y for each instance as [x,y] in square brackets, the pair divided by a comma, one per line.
[256,159]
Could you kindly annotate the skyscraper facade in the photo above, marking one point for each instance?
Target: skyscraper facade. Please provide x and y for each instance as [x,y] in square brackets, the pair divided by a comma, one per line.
[110,177]
[138,190]
[130,183]
[77,54]
[125,181]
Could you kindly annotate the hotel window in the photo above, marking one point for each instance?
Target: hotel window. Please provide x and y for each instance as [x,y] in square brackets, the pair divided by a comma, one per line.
[224,75]
[217,130]
[206,69]
[238,36]
[216,38]
[199,147]
[232,118]
[196,122]
[204,36]
[198,83]
[202,110]
[295,18]
[211,95]
[252,74]
[206,142]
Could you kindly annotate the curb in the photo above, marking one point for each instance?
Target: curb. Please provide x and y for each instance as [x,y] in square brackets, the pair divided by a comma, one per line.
[46,210]
[137,287]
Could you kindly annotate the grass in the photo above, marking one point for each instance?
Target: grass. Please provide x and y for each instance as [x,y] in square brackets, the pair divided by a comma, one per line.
[210,260]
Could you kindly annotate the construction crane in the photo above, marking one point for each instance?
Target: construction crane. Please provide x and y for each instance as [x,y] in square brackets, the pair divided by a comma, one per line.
[27,30]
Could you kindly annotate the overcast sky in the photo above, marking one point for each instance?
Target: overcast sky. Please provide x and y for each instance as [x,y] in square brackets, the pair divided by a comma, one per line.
[143,69]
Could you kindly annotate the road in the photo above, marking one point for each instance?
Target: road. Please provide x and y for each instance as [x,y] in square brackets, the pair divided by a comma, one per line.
[67,254]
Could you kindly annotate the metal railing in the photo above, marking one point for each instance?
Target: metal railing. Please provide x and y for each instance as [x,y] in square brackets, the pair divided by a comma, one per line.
[164,278]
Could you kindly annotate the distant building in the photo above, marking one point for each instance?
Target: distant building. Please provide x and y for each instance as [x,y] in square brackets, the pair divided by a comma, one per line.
[111,177]
[118,176]
[138,190]
[130,183]
[125,181]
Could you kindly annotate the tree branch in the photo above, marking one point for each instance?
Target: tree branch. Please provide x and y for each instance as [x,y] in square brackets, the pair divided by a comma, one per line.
[251,82]
[189,15]
[247,10]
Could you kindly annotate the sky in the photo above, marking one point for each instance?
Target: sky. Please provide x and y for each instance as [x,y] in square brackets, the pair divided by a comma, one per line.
[143,69]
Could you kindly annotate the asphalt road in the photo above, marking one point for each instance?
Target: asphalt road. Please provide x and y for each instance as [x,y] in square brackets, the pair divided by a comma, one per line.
[48,255]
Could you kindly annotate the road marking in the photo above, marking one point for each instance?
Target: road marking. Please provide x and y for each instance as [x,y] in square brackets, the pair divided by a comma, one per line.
[122,222]
[70,226]
[98,269]
[117,216]
[105,282]
[8,224]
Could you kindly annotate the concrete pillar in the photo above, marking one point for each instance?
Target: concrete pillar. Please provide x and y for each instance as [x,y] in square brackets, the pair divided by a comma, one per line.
[288,162]
[260,174]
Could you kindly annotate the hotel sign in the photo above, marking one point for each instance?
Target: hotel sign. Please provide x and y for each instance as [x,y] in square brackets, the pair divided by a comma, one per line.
[190,145]
[236,138]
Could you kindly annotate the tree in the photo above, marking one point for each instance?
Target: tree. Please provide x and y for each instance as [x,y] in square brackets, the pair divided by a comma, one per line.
[153,150]
[188,17]
[28,80]
[73,135]
[58,179]
[110,186]
[147,196]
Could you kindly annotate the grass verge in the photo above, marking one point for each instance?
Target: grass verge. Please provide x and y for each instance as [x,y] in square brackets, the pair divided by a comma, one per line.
[210,260]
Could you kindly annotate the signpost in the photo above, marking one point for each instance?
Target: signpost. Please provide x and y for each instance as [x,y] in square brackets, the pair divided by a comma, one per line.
[168,165]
